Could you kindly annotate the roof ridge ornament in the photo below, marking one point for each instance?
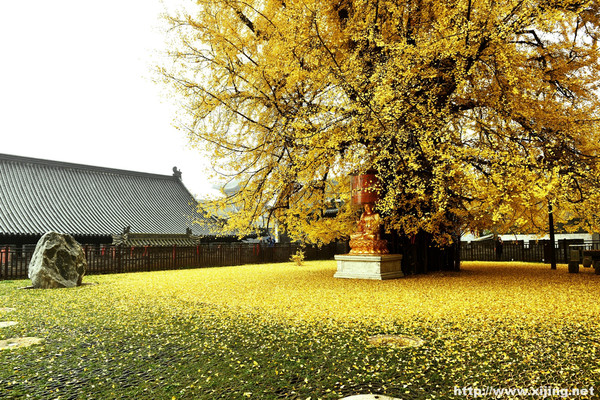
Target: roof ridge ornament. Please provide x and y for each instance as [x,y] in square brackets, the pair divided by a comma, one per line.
[176,173]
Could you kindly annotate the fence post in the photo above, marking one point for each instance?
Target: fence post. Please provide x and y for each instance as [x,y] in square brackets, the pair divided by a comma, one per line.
[174,263]
[146,255]
[119,264]
[522,246]
[4,260]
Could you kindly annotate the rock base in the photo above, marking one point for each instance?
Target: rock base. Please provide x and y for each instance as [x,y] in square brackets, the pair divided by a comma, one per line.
[363,266]
[16,343]
[57,262]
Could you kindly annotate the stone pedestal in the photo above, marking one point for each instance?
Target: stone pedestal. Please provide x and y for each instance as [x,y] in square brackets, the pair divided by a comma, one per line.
[365,266]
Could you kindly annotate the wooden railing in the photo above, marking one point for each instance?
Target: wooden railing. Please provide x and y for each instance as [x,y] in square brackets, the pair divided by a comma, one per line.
[108,259]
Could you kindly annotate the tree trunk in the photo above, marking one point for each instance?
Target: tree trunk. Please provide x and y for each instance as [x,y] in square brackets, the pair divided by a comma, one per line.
[552,252]
[421,255]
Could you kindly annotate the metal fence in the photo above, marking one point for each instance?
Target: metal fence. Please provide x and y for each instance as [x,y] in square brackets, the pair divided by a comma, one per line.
[532,251]
[108,259]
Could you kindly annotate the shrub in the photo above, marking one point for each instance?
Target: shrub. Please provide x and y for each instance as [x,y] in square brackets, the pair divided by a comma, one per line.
[298,258]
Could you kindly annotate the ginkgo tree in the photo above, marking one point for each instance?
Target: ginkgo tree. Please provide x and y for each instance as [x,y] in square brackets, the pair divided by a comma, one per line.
[473,113]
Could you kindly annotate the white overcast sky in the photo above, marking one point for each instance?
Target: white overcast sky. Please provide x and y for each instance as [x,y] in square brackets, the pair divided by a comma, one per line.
[76,86]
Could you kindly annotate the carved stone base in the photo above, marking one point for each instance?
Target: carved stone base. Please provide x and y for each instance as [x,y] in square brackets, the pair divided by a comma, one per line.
[386,266]
[364,246]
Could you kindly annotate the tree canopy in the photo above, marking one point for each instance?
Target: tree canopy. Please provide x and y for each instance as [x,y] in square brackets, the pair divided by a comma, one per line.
[474,113]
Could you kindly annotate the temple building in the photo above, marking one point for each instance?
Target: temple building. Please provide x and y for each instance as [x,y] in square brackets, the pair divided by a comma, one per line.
[98,205]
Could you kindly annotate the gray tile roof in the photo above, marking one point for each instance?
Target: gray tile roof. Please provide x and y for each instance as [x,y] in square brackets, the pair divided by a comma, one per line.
[41,195]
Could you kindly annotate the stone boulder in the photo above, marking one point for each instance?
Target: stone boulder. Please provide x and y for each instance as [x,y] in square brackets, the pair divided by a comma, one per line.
[58,261]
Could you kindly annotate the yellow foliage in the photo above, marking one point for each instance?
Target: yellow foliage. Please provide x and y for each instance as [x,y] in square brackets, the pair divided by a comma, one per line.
[298,258]
[473,113]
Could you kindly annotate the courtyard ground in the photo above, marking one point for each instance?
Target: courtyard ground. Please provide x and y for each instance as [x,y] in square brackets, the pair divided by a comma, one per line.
[284,331]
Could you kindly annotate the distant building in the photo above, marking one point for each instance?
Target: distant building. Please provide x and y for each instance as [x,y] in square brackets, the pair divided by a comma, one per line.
[560,234]
[97,205]
[585,237]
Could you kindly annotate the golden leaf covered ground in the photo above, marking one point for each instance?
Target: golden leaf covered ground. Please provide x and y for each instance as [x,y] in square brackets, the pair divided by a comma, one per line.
[287,331]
